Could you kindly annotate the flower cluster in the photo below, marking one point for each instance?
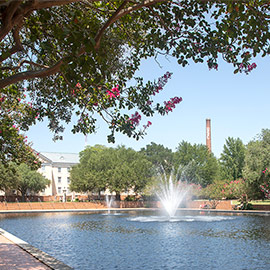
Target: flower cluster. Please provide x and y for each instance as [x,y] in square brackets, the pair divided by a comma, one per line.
[265,187]
[233,189]
[248,68]
[170,105]
[114,92]
[162,82]
[135,119]
[147,125]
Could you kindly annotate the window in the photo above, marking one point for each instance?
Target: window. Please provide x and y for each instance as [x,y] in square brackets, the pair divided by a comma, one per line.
[43,167]
[59,180]
[59,189]
[59,169]
[68,180]
[68,169]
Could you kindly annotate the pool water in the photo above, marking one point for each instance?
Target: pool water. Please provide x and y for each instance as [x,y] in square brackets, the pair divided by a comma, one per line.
[147,240]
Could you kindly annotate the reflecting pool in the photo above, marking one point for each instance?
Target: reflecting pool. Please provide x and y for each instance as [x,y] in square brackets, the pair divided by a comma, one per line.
[145,240]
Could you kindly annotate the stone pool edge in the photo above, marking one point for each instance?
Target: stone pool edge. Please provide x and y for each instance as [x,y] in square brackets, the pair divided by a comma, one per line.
[264,212]
[40,255]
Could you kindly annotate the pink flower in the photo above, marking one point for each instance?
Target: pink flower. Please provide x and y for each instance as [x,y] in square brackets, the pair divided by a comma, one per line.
[110,94]
[135,119]
[78,85]
[114,92]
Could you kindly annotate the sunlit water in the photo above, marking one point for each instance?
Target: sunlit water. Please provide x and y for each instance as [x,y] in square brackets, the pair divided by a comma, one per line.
[147,240]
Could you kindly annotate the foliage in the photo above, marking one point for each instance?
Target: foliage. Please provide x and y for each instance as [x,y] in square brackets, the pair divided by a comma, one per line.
[265,186]
[213,191]
[245,203]
[9,177]
[91,173]
[30,181]
[201,165]
[118,170]
[224,189]
[235,189]
[76,57]
[159,156]
[232,159]
[257,159]
[21,178]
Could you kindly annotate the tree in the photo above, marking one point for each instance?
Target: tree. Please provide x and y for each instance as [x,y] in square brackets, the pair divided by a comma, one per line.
[256,161]
[30,181]
[9,177]
[116,169]
[131,171]
[232,159]
[159,155]
[199,164]
[91,174]
[75,57]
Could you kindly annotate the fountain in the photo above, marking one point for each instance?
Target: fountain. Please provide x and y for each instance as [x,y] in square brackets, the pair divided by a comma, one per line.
[171,190]
[109,201]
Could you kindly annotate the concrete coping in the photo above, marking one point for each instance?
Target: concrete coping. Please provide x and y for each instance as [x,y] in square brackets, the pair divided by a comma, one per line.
[35,252]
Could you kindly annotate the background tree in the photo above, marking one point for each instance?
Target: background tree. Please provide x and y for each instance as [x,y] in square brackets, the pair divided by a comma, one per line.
[257,160]
[75,57]
[201,166]
[91,174]
[116,169]
[159,155]
[9,177]
[131,171]
[30,181]
[232,159]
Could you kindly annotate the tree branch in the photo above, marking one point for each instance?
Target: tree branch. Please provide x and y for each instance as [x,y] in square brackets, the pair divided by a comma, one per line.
[31,74]
[108,23]
[21,63]
[7,18]
[17,47]
[119,13]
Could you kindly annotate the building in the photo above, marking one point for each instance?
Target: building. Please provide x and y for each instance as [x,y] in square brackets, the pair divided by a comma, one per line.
[208,135]
[56,167]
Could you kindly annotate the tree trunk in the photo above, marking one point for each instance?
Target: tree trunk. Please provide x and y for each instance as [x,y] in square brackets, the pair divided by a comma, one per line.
[118,196]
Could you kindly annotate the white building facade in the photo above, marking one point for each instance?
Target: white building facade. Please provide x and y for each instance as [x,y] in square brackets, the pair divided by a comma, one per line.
[56,167]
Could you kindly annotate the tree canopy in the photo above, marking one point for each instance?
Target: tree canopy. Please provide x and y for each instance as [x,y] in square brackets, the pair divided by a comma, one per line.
[115,169]
[232,159]
[257,160]
[21,178]
[70,57]
[159,156]
[200,165]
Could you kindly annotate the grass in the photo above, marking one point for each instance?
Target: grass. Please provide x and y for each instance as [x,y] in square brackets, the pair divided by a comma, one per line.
[258,202]
[265,202]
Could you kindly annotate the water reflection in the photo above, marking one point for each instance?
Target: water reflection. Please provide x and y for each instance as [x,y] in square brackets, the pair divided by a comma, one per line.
[145,240]
[104,226]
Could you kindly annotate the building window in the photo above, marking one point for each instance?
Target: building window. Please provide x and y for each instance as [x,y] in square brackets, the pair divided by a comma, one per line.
[68,180]
[59,180]
[59,189]
[43,167]
[59,169]
[68,169]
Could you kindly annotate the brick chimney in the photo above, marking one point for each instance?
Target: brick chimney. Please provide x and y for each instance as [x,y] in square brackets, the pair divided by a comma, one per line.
[208,134]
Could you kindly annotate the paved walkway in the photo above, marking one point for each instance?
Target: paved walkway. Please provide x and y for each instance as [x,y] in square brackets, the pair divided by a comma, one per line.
[12,257]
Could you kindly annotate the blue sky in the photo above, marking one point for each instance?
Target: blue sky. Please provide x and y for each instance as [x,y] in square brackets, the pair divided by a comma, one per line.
[236,104]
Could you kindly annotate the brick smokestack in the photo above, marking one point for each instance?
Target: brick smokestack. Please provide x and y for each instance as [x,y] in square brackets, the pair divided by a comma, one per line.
[208,134]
